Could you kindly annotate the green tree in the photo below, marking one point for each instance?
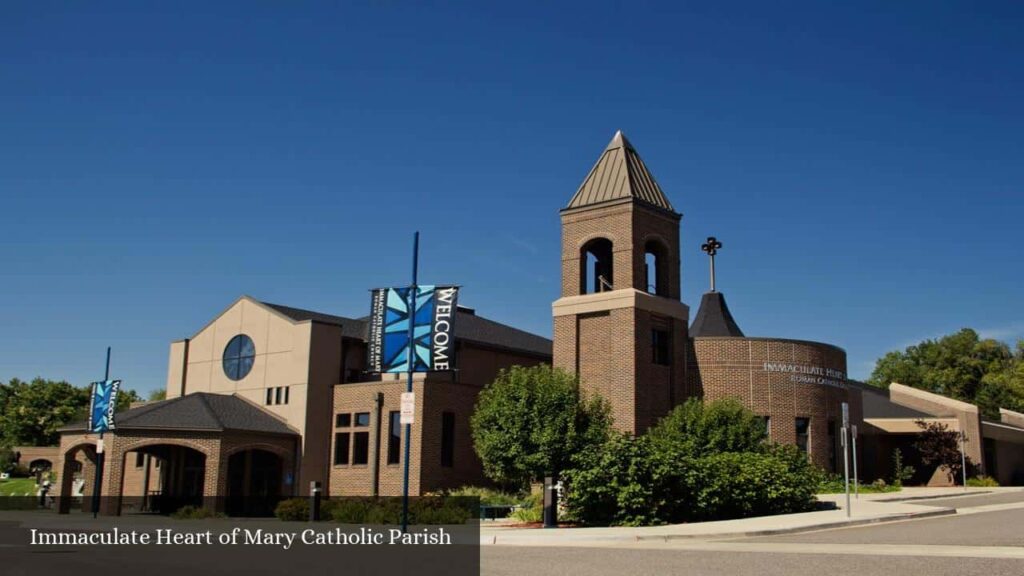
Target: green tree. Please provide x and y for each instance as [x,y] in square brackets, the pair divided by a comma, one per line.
[961,366]
[530,421]
[940,446]
[32,411]
[158,395]
[125,399]
[697,429]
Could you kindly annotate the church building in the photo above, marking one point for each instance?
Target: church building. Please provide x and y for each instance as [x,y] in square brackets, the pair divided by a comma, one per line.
[265,399]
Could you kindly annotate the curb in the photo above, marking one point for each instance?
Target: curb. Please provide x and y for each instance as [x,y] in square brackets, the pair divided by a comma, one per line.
[799,529]
[936,497]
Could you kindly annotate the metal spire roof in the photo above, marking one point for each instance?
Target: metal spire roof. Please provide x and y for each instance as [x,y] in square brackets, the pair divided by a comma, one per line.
[619,173]
[713,318]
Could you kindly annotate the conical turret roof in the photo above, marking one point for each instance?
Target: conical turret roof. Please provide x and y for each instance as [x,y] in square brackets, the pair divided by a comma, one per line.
[713,318]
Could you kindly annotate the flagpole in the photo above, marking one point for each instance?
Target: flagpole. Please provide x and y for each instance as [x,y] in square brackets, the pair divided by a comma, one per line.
[411,358]
[98,482]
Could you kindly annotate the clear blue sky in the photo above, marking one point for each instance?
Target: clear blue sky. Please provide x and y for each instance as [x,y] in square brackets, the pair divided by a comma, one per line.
[863,166]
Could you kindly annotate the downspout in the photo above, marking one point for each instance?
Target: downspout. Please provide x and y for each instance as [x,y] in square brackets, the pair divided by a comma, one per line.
[375,463]
[184,369]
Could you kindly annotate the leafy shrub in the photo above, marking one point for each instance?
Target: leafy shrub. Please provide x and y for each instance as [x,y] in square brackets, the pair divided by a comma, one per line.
[696,429]
[901,473]
[292,509]
[833,484]
[195,513]
[487,496]
[740,485]
[699,463]
[982,482]
[529,515]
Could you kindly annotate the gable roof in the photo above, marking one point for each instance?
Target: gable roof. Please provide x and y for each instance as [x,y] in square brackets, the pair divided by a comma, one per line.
[619,174]
[197,411]
[472,328]
[351,327]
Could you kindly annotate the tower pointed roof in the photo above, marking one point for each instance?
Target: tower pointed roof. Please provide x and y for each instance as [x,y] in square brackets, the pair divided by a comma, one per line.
[713,318]
[619,173]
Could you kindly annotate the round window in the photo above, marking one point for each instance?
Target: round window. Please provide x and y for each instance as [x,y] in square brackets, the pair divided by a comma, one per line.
[239,356]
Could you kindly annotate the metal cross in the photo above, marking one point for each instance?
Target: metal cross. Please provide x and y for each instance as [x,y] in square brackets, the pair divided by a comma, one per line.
[711,247]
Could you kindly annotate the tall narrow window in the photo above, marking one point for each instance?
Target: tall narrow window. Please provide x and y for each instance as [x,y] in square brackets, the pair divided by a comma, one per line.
[286,389]
[341,440]
[277,395]
[270,396]
[394,437]
[832,452]
[662,354]
[803,433]
[361,448]
[447,439]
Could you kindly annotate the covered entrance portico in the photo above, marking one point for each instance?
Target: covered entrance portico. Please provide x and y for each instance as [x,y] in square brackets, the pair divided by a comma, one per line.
[215,451]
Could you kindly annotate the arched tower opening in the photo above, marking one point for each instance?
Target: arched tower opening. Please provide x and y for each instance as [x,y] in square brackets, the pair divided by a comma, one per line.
[596,268]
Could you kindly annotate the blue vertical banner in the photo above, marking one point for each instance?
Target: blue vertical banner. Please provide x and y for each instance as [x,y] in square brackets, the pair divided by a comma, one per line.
[102,405]
[433,329]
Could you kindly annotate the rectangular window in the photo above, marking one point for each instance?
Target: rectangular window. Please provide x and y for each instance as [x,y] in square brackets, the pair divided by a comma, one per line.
[803,433]
[140,459]
[767,420]
[832,452]
[361,448]
[394,437]
[270,396]
[341,448]
[286,389]
[362,419]
[447,439]
[660,347]
[343,420]
[277,395]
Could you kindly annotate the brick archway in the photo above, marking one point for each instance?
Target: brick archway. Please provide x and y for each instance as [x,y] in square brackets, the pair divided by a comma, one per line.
[68,460]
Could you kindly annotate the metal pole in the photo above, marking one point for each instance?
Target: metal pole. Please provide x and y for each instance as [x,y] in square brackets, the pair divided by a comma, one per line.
[846,471]
[712,272]
[97,484]
[856,478]
[963,458]
[411,357]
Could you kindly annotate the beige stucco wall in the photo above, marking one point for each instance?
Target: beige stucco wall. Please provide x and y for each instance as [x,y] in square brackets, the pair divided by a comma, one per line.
[304,356]
[967,415]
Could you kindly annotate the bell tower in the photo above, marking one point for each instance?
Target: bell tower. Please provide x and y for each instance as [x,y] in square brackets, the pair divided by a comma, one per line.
[620,324]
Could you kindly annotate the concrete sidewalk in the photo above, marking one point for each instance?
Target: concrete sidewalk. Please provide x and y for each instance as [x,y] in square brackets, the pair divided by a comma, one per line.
[867,509]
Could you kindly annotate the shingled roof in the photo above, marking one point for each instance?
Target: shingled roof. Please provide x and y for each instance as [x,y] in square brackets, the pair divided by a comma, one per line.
[469,327]
[472,328]
[351,327]
[620,173]
[200,411]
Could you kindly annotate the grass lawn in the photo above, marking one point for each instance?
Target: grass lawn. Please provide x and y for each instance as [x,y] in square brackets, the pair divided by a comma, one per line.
[18,487]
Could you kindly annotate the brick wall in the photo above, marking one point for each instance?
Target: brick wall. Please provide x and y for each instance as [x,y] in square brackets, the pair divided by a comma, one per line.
[436,393]
[734,368]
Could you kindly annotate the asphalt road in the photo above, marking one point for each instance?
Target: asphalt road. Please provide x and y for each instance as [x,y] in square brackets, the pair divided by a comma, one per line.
[518,561]
[964,544]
